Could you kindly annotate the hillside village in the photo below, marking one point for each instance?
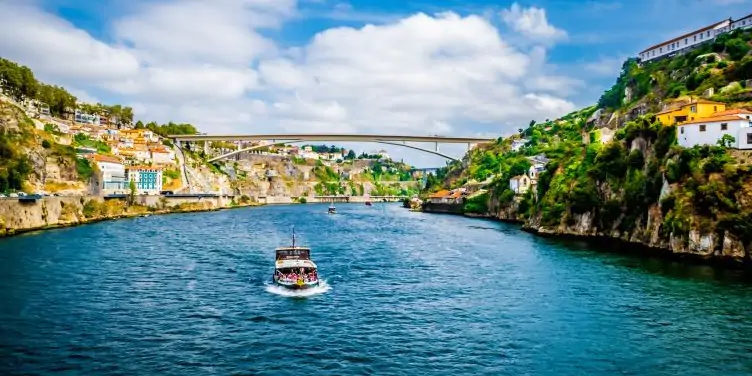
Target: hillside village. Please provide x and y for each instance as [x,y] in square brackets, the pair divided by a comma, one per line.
[112,155]
[664,159]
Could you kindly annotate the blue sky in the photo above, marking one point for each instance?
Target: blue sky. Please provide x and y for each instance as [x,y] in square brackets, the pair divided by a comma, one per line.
[474,67]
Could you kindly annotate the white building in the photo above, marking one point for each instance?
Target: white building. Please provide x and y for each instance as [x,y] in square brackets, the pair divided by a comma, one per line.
[519,184]
[111,175]
[708,131]
[742,23]
[518,144]
[680,43]
[534,171]
[695,38]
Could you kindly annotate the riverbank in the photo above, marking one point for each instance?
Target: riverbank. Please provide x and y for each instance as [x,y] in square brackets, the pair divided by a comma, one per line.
[730,254]
[17,217]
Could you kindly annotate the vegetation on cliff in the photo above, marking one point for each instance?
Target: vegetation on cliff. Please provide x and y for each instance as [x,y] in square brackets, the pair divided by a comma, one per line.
[640,185]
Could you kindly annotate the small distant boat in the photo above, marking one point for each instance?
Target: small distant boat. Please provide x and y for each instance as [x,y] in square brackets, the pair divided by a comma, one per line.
[332,210]
[293,268]
[145,215]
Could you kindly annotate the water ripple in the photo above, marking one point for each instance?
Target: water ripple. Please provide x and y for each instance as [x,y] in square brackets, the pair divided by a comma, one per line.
[404,293]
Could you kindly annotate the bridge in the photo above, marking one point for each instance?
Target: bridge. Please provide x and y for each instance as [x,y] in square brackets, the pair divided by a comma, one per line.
[279,139]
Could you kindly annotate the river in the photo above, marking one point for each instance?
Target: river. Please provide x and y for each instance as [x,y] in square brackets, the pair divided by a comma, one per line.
[407,293]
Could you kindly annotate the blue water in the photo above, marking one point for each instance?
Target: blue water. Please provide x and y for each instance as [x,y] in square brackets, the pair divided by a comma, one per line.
[408,293]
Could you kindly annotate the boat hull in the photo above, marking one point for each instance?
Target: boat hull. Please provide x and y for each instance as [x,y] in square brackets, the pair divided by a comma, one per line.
[296,286]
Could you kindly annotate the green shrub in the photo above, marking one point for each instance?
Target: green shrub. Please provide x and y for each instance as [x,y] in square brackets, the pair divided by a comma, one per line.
[46,144]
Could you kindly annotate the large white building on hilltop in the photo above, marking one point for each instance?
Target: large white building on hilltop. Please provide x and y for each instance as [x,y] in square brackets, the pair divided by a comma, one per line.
[690,40]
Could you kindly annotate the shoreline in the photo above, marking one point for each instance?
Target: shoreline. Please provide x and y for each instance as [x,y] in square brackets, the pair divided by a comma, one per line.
[619,246]
[87,221]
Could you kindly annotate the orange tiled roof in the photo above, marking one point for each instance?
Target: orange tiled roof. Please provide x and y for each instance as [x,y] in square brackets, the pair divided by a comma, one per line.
[713,119]
[736,111]
[106,158]
[440,194]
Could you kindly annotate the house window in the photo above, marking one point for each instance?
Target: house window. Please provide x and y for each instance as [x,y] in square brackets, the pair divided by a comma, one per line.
[715,108]
[724,126]
[693,109]
[660,49]
[695,38]
[686,40]
[749,138]
[702,127]
[681,130]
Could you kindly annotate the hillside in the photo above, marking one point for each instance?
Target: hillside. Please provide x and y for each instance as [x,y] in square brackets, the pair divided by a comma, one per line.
[31,159]
[614,170]
[39,153]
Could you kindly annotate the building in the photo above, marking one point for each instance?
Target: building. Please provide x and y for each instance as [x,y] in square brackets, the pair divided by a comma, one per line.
[684,42]
[742,23]
[518,144]
[694,110]
[447,197]
[708,131]
[520,184]
[81,117]
[148,179]
[691,40]
[162,155]
[110,175]
[534,171]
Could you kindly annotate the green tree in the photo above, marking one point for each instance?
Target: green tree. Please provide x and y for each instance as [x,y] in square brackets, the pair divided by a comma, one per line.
[727,141]
[132,194]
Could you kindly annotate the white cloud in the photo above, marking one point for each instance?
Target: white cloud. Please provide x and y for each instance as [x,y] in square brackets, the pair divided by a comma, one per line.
[532,23]
[218,32]
[187,61]
[57,49]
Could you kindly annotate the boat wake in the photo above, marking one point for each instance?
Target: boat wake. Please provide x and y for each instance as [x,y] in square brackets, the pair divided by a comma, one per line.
[278,290]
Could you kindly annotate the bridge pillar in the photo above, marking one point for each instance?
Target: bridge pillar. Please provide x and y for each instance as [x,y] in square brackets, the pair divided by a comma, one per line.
[206,148]
[437,146]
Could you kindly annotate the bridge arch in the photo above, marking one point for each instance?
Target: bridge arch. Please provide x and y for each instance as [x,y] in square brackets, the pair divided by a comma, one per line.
[234,152]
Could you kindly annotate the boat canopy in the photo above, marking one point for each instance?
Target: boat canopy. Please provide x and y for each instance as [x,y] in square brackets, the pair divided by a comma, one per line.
[293,253]
[294,264]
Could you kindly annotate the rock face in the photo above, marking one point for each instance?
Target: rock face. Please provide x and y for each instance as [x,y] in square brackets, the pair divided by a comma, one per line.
[50,212]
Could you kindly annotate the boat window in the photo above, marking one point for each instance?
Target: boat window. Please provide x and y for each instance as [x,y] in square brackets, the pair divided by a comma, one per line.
[292,254]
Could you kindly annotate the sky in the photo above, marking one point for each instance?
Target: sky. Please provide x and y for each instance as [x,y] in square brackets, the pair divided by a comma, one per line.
[445,67]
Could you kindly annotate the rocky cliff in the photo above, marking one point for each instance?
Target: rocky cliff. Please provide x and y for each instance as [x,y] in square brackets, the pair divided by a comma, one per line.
[50,212]
[614,171]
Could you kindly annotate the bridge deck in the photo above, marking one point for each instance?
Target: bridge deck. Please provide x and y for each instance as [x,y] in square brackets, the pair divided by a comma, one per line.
[333,137]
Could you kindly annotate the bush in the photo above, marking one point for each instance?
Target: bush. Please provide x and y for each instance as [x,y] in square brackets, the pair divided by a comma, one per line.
[84,169]
[46,144]
[477,204]
[737,48]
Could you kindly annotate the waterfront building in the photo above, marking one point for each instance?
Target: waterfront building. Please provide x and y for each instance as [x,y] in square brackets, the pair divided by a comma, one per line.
[148,179]
[109,176]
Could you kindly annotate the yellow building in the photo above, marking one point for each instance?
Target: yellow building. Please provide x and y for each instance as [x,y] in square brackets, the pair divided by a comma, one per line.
[694,110]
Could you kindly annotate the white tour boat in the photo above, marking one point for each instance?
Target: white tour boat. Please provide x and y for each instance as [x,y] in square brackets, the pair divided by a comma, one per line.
[293,268]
